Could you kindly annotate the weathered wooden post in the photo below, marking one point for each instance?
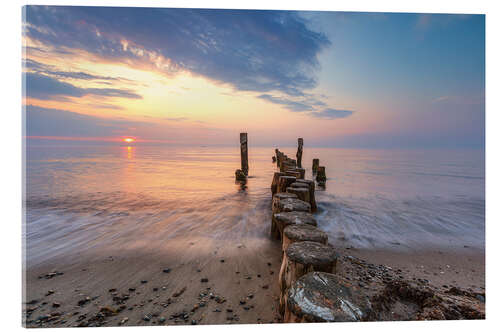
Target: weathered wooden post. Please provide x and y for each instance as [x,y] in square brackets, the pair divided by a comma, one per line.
[324,297]
[244,153]
[301,258]
[321,176]
[299,152]
[315,165]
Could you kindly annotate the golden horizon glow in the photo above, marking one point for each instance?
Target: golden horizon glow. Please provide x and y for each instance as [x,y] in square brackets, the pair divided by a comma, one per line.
[129,140]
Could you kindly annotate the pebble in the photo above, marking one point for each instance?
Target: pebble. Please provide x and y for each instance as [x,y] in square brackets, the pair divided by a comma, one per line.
[144,281]
[147,317]
[204,280]
[161,320]
[166,270]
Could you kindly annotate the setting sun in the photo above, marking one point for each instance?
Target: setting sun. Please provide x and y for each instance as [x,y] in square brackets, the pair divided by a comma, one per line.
[129,140]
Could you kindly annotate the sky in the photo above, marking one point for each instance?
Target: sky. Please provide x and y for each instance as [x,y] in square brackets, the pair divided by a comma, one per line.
[201,76]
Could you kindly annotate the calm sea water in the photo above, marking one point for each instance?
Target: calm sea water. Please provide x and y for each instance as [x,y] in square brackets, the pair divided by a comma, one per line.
[81,199]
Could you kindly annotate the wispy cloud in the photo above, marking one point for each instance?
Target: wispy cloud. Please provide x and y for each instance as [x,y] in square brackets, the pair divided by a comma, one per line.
[39,68]
[260,51]
[45,87]
[53,122]
[105,106]
[331,114]
[290,104]
[56,123]
[177,118]
[440,99]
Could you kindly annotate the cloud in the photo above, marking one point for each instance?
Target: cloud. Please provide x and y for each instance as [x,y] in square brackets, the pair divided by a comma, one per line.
[46,87]
[331,114]
[39,68]
[259,51]
[53,122]
[440,99]
[291,105]
[176,118]
[106,106]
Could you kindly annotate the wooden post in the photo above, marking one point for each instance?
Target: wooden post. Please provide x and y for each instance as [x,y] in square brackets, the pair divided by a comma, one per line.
[324,297]
[244,153]
[301,258]
[299,152]
[315,165]
[302,232]
[321,176]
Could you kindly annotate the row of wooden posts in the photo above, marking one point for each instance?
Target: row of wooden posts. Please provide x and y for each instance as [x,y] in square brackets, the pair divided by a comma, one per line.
[293,167]
[310,288]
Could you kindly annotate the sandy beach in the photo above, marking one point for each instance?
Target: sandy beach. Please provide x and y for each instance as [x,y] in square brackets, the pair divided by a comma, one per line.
[204,282]
[197,283]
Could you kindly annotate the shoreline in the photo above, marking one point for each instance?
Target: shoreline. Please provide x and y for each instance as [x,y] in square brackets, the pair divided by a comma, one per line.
[97,277]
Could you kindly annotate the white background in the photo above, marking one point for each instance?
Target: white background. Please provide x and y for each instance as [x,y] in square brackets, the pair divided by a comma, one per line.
[11,164]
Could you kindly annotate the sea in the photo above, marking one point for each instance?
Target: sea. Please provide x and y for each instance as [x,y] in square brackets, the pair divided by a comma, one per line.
[88,198]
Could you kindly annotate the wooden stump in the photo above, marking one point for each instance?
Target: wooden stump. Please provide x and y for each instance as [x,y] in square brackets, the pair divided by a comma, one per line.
[301,258]
[323,297]
[283,219]
[321,175]
[244,153]
[315,165]
[299,152]
[299,185]
[274,183]
[275,208]
[302,193]
[281,196]
[302,233]
[291,172]
[284,182]
[293,205]
[240,175]
[312,187]
[286,165]
[302,173]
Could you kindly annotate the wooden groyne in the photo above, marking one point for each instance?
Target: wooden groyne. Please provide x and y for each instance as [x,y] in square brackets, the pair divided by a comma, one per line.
[314,288]
[310,289]
[317,283]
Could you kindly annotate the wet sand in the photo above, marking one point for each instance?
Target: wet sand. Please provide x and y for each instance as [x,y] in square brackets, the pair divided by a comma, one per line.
[133,288]
[241,287]
[464,269]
